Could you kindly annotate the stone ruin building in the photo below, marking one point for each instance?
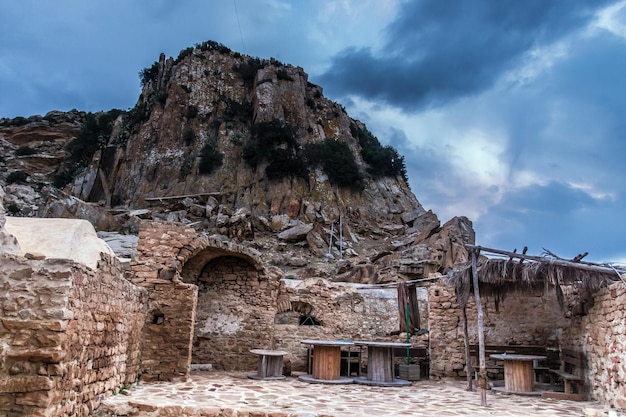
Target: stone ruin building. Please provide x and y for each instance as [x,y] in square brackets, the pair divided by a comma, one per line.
[77,324]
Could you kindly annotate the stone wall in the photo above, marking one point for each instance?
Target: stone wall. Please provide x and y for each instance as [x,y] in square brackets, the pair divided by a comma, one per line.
[235,313]
[339,311]
[210,301]
[600,335]
[522,319]
[166,347]
[67,334]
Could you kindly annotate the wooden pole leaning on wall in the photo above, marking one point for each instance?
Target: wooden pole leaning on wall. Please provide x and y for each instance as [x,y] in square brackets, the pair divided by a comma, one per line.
[469,368]
[482,380]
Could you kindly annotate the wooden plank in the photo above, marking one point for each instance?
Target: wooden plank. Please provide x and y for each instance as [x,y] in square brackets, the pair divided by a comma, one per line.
[567,375]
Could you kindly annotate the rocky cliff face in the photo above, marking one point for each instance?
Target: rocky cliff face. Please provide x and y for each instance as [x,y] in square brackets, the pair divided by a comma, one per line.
[239,147]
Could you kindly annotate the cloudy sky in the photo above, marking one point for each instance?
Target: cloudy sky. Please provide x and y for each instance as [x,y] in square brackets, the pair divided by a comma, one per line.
[512,113]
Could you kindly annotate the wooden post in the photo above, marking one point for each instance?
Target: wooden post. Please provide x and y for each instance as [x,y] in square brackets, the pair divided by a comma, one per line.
[469,368]
[482,374]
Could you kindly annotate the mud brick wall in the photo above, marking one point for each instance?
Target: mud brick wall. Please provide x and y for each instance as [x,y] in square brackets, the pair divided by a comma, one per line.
[67,335]
[601,335]
[522,319]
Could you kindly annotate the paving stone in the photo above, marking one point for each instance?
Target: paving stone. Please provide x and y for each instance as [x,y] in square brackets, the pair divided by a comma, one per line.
[232,393]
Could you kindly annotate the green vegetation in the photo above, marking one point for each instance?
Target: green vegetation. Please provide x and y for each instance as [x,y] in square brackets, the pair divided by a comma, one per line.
[189,136]
[238,111]
[213,46]
[383,161]
[13,209]
[248,69]
[17,121]
[210,158]
[17,177]
[159,97]
[184,53]
[137,115]
[149,74]
[94,134]
[337,160]
[192,112]
[187,165]
[25,151]
[275,143]
[282,74]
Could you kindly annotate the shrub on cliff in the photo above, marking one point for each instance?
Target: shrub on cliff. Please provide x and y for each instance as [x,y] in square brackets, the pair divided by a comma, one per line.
[94,134]
[383,161]
[337,160]
[17,177]
[275,143]
[210,158]
[25,151]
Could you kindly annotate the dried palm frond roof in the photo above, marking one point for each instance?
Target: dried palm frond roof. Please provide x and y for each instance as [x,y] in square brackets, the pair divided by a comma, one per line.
[521,273]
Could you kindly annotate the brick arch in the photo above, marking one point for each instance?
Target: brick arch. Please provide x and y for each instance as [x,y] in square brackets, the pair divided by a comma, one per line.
[195,255]
[299,307]
[167,252]
[236,302]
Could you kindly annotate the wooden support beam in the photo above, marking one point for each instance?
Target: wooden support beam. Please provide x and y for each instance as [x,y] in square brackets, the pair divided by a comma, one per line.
[482,375]
[587,266]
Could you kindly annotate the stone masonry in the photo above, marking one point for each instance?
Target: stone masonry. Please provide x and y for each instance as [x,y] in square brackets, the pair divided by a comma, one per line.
[600,335]
[71,334]
[67,335]
[522,319]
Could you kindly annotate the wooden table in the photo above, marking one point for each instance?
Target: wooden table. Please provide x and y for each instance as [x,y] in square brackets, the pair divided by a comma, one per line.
[519,375]
[270,364]
[380,369]
[326,362]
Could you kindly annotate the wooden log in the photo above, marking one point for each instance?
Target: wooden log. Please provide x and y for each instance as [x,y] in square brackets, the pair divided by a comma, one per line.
[481,334]
[469,368]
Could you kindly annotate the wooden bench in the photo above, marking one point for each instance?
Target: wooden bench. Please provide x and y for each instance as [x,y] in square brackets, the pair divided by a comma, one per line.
[495,367]
[573,365]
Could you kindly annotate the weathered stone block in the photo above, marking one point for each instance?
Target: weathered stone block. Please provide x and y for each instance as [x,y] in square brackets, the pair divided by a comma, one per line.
[16,384]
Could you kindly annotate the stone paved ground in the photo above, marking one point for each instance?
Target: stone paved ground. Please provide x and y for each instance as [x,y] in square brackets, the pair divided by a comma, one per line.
[232,394]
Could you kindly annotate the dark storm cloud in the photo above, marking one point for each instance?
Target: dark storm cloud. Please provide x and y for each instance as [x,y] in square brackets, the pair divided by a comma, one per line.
[567,220]
[439,50]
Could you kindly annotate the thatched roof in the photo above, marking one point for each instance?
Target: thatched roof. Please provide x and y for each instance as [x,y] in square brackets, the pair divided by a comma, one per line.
[521,273]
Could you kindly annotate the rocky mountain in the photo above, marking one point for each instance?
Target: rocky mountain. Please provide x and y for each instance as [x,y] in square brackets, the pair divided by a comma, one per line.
[239,147]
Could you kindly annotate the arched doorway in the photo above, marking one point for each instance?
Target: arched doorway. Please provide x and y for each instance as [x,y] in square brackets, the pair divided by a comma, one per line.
[235,309]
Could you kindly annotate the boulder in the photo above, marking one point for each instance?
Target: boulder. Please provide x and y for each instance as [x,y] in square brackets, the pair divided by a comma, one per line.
[59,238]
[295,234]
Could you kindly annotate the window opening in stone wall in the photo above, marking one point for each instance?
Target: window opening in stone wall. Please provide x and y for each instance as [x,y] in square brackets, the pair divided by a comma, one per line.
[308,321]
